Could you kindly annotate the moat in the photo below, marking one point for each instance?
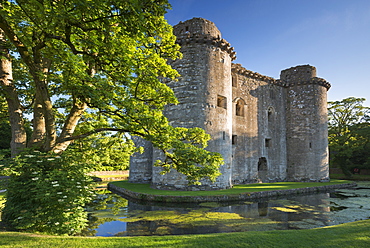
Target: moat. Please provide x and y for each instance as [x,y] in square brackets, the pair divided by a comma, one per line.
[113,215]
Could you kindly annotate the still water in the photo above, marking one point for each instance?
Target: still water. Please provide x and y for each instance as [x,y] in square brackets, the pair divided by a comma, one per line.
[112,215]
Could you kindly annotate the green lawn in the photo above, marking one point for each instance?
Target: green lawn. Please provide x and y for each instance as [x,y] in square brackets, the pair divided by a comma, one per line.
[355,234]
[237,189]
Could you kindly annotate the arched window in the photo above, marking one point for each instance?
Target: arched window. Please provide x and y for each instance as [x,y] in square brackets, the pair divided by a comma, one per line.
[270,114]
[239,107]
[262,164]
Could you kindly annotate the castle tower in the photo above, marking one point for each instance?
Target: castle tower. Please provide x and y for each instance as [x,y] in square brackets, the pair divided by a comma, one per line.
[205,95]
[306,124]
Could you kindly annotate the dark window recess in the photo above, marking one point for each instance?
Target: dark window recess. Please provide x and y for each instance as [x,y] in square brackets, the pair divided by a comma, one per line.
[239,111]
[267,142]
[262,164]
[221,101]
[223,135]
[234,81]
[270,112]
[310,145]
[234,139]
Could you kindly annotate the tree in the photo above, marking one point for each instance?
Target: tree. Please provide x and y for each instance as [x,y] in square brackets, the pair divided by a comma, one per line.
[348,131]
[81,68]
[105,56]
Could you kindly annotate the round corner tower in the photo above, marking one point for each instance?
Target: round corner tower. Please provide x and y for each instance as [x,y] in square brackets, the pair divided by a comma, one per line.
[306,124]
[204,92]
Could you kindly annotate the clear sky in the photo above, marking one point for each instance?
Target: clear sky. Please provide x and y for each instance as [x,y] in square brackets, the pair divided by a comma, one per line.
[272,35]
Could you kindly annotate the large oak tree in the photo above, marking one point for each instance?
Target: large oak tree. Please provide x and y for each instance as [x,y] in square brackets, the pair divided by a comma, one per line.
[82,67]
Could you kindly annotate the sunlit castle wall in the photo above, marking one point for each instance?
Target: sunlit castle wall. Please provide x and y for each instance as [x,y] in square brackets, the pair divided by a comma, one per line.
[141,164]
[307,130]
[205,95]
[259,134]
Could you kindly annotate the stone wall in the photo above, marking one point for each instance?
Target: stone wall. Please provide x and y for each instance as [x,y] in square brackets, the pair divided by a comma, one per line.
[204,93]
[266,129]
[141,164]
[307,133]
[225,198]
[259,133]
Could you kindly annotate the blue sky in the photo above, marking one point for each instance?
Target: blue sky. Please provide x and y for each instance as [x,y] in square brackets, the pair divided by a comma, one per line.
[272,35]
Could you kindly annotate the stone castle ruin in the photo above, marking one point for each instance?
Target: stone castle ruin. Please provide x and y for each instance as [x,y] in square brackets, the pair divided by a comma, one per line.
[266,129]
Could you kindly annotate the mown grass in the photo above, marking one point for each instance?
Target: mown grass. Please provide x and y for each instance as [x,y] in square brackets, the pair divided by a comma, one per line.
[355,234]
[237,189]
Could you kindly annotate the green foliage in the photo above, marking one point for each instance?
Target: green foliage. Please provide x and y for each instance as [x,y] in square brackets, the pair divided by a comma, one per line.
[46,193]
[349,134]
[184,151]
[109,57]
[5,132]
[105,152]
[82,68]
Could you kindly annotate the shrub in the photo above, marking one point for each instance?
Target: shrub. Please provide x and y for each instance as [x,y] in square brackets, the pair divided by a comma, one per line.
[47,193]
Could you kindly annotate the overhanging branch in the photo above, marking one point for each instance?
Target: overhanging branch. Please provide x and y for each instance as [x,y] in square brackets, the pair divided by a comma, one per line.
[81,136]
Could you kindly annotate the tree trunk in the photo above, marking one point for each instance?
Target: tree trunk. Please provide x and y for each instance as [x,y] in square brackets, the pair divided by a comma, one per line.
[70,125]
[19,135]
[38,122]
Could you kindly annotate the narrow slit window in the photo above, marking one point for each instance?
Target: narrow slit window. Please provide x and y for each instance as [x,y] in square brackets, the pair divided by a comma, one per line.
[221,101]
[234,81]
[234,139]
[270,113]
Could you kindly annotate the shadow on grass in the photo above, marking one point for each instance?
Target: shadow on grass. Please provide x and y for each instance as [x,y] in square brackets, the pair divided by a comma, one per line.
[354,234]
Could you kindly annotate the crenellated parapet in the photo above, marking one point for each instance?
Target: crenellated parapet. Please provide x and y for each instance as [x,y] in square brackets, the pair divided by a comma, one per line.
[302,75]
[265,129]
[206,39]
[291,77]
[202,31]
[239,69]
[312,81]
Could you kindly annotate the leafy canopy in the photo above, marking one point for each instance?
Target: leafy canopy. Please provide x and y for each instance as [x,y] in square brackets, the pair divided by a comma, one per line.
[82,67]
[349,133]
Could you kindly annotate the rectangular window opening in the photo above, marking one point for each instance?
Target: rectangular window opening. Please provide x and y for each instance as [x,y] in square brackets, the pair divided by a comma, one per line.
[221,102]
[234,139]
[267,142]
[234,81]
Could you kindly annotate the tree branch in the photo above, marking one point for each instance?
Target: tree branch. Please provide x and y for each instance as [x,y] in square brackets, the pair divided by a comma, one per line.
[98,130]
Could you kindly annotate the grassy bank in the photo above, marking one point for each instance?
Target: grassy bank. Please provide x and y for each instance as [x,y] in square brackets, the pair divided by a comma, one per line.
[355,234]
[237,189]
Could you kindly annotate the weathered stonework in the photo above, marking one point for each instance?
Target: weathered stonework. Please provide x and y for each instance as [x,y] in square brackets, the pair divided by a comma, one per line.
[267,130]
